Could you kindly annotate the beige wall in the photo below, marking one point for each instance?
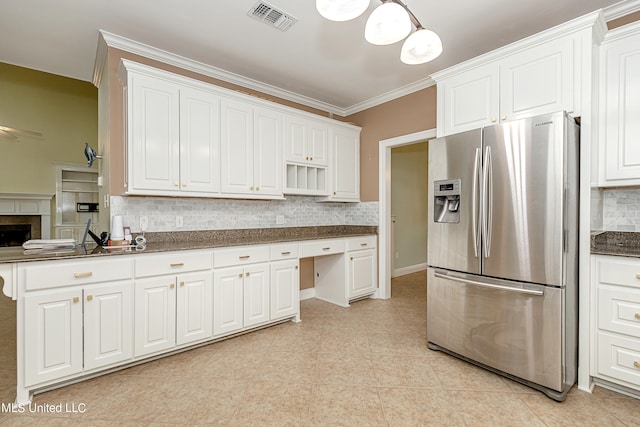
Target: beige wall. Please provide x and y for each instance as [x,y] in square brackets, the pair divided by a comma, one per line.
[409,183]
[64,110]
[412,113]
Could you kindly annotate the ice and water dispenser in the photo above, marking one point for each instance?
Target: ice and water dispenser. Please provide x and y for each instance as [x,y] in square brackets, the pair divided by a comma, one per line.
[446,206]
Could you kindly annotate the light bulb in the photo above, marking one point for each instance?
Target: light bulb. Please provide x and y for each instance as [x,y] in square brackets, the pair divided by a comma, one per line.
[341,10]
[420,47]
[388,23]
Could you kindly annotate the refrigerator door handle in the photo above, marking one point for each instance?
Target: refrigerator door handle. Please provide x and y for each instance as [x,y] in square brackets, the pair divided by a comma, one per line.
[488,285]
[475,221]
[487,202]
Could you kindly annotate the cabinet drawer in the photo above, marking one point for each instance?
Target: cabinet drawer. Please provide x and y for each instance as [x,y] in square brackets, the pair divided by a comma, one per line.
[284,251]
[51,274]
[358,243]
[615,271]
[240,256]
[619,358]
[173,262]
[619,310]
[322,247]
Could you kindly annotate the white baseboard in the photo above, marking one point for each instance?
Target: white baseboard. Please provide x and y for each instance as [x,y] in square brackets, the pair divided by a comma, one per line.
[410,269]
[307,293]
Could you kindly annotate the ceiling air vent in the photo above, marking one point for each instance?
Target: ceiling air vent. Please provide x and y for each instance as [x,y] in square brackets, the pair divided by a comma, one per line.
[263,11]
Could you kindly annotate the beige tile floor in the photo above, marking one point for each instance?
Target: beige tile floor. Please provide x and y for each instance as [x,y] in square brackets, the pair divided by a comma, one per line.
[366,365]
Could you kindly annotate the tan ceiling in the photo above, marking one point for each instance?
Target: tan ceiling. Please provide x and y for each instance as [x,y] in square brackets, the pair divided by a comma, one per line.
[321,60]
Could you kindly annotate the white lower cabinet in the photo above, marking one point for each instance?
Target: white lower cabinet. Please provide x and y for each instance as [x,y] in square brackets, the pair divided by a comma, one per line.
[241,297]
[285,289]
[172,310]
[362,273]
[54,333]
[616,290]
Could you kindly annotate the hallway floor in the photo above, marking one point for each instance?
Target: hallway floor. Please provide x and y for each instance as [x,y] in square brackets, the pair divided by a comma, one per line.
[366,365]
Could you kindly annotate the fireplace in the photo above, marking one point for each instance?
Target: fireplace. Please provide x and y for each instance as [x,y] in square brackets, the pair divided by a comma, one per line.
[24,217]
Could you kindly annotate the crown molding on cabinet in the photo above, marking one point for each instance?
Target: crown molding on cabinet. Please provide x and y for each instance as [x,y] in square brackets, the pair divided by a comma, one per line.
[621,9]
[622,32]
[594,20]
[100,61]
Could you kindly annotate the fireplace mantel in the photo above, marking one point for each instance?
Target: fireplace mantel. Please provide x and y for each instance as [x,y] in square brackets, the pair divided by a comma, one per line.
[16,204]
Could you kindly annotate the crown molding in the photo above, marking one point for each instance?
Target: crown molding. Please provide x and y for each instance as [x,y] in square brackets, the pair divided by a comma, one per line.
[100,62]
[621,9]
[118,42]
[390,96]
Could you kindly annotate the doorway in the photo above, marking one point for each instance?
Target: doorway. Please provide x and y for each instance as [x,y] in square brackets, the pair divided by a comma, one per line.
[384,232]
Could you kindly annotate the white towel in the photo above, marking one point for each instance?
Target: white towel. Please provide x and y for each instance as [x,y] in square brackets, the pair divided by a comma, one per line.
[49,244]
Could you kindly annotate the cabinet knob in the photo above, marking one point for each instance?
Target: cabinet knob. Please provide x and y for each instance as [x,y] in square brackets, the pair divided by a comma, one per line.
[247,274]
[310,158]
[351,258]
[89,297]
[176,183]
[493,119]
[240,275]
[251,189]
[637,316]
[307,158]
[184,183]
[181,284]
[76,299]
[257,188]
[334,193]
[636,364]
[503,117]
[638,276]
[296,267]
[171,286]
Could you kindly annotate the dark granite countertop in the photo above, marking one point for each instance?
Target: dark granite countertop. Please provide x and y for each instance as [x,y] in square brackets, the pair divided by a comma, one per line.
[201,239]
[619,243]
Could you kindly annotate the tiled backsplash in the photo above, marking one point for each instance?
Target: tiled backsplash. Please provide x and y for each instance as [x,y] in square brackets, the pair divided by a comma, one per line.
[621,209]
[224,214]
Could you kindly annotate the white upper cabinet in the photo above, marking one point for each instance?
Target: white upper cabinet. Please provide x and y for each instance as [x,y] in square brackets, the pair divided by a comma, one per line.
[250,150]
[345,164]
[306,140]
[544,73]
[619,132]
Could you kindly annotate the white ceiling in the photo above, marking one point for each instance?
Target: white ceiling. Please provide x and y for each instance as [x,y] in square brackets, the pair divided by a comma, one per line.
[318,59]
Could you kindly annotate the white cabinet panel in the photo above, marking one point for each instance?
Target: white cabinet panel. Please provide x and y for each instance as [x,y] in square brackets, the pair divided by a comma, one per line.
[194,307]
[228,300]
[362,272]
[155,315]
[53,335]
[620,109]
[237,146]
[256,294]
[537,81]
[108,324]
[154,134]
[199,141]
[306,140]
[345,176]
[267,131]
[285,289]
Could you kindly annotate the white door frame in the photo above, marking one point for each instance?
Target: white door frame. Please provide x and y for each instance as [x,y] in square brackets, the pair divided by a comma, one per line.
[384,198]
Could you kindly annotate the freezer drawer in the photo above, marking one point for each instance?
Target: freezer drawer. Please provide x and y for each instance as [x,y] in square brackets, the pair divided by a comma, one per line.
[511,327]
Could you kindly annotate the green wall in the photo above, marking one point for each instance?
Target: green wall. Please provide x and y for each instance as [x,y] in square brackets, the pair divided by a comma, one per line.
[409,183]
[64,110]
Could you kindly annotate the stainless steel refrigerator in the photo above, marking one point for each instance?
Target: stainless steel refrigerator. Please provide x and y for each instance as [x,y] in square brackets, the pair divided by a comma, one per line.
[502,249]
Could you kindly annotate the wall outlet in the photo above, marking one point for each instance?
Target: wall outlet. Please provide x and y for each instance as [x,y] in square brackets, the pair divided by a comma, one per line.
[144,223]
[279,219]
[179,221]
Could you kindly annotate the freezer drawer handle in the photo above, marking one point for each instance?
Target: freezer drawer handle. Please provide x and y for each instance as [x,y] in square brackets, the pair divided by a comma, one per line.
[490,285]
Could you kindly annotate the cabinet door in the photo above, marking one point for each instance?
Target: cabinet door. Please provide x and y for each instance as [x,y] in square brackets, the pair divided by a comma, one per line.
[318,143]
[154,134]
[620,93]
[256,294]
[236,147]
[155,315]
[346,164]
[227,300]
[267,170]
[199,141]
[52,335]
[194,307]
[362,273]
[295,137]
[468,100]
[285,289]
[108,324]
[537,81]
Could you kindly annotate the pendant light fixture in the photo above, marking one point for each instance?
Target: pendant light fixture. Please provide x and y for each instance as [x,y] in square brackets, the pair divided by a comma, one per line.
[341,10]
[388,23]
